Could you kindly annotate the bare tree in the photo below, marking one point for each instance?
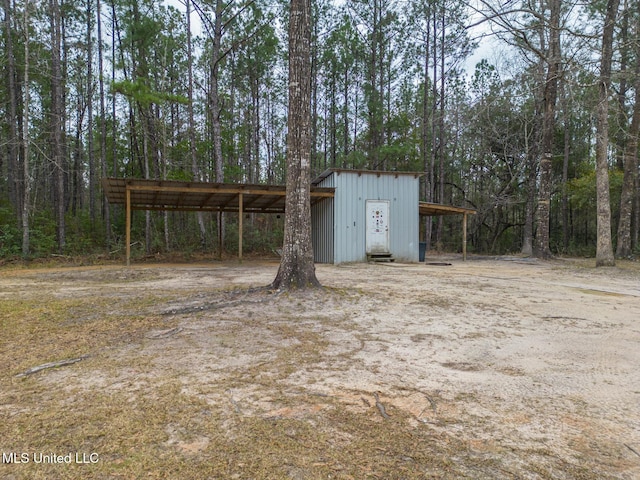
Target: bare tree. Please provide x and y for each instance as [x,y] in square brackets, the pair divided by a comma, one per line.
[297,269]
[545,20]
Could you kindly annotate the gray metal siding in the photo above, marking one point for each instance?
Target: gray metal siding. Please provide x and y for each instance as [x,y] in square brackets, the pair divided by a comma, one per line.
[322,222]
[352,191]
[338,224]
[322,231]
[349,219]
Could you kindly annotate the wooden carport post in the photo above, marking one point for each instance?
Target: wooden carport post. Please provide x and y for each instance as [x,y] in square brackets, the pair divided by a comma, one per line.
[128,224]
[240,215]
[220,219]
[464,237]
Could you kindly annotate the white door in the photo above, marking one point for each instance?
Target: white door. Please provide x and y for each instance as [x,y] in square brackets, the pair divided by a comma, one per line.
[377,235]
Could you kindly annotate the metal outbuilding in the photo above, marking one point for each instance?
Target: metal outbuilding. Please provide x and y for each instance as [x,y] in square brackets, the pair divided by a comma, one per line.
[356,215]
[372,215]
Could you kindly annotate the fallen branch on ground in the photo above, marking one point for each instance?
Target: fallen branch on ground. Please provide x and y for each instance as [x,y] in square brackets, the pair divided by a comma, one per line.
[632,449]
[380,406]
[218,305]
[234,402]
[164,333]
[44,366]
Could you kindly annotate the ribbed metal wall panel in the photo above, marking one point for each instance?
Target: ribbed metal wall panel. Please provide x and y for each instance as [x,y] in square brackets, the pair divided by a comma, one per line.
[322,231]
[322,222]
[338,224]
[353,189]
[349,221]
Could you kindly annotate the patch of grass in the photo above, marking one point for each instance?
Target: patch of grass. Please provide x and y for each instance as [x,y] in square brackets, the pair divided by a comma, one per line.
[152,408]
[155,430]
[591,291]
[33,332]
[160,432]
[128,433]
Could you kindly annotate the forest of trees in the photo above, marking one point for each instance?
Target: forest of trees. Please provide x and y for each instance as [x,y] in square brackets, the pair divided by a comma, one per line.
[541,136]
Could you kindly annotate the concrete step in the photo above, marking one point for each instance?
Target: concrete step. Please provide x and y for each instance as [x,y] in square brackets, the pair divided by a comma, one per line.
[380,257]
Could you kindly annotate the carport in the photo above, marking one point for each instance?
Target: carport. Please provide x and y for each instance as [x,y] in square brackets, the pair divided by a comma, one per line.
[426,209]
[173,195]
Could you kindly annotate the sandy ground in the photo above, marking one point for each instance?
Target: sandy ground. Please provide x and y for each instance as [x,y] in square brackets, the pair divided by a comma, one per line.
[535,364]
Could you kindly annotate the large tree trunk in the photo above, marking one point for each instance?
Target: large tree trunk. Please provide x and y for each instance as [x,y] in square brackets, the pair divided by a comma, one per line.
[57,121]
[530,191]
[435,141]
[192,124]
[374,92]
[427,148]
[92,167]
[565,167]
[215,94]
[604,247]
[26,190]
[533,148]
[624,246]
[11,112]
[620,138]
[103,123]
[216,128]
[541,245]
[441,129]
[297,269]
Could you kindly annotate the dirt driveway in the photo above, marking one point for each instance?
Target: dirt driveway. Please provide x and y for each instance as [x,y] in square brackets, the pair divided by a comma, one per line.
[490,368]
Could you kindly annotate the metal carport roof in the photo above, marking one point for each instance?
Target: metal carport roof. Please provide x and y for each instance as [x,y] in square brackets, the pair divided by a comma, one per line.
[201,196]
